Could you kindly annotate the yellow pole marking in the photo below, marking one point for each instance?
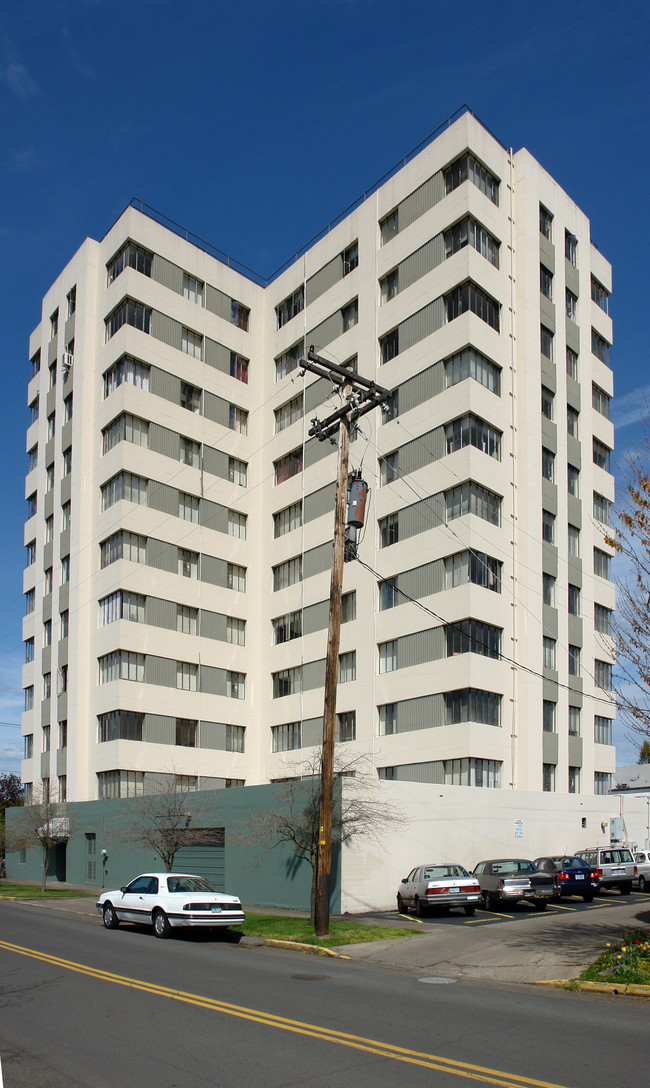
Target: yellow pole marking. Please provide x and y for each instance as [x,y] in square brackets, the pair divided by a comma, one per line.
[299,1027]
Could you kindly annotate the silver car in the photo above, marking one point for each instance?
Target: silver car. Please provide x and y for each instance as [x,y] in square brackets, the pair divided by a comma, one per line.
[642,858]
[438,886]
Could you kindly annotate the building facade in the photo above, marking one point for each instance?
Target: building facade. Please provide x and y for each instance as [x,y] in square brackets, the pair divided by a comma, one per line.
[179,518]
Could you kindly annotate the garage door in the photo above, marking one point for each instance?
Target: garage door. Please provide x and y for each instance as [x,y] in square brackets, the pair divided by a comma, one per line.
[207,861]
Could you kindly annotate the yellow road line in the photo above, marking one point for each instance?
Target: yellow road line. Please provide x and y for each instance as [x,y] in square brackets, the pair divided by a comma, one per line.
[357,1042]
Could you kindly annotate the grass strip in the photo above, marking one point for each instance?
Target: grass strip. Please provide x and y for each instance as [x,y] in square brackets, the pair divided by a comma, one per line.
[626,963]
[27,891]
[284,928]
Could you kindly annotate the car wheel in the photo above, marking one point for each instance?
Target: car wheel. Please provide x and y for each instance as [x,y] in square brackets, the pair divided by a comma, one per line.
[420,909]
[541,904]
[643,884]
[588,898]
[491,901]
[401,905]
[626,888]
[161,926]
[469,910]
[109,917]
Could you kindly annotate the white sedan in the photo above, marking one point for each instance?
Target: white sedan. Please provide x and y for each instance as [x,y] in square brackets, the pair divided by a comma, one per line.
[164,900]
[438,886]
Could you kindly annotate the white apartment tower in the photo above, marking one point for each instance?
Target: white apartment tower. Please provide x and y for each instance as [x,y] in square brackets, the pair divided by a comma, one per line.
[179,519]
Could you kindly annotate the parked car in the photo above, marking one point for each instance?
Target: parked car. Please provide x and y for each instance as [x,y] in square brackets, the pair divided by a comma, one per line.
[507,880]
[616,865]
[642,858]
[572,876]
[166,900]
[440,886]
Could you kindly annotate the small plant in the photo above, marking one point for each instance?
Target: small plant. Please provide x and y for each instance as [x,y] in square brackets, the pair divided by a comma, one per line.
[627,963]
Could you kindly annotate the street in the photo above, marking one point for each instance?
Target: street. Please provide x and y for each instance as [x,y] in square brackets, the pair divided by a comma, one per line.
[82,1007]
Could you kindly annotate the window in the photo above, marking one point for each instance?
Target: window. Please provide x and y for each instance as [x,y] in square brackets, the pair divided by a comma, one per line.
[470,705]
[468,297]
[389,345]
[546,282]
[239,368]
[30,601]
[574,661]
[65,569]
[235,631]
[123,545]
[470,232]
[287,682]
[546,342]
[130,256]
[63,734]
[35,362]
[287,573]
[288,361]
[601,455]
[602,782]
[548,590]
[49,529]
[288,627]
[67,461]
[192,343]
[347,667]
[603,732]
[475,567]
[574,540]
[573,481]
[571,364]
[122,605]
[32,504]
[186,675]
[239,315]
[187,619]
[47,581]
[346,727]
[389,286]
[572,417]
[288,519]
[548,465]
[602,509]
[548,651]
[600,295]
[604,675]
[548,777]
[237,419]
[120,784]
[388,468]
[547,402]
[468,168]
[388,530]
[388,594]
[52,382]
[46,738]
[235,743]
[124,486]
[471,498]
[237,472]
[119,725]
[350,314]
[67,409]
[49,477]
[121,665]
[129,371]
[131,313]
[33,411]
[288,413]
[30,553]
[32,459]
[28,746]
[574,721]
[71,299]
[387,719]
[188,563]
[573,600]
[600,400]
[63,787]
[471,364]
[29,697]
[290,306]
[548,527]
[190,398]
[286,738]
[571,305]
[47,685]
[47,633]
[192,289]
[350,258]
[189,452]
[236,578]
[472,431]
[29,649]
[186,731]
[237,524]
[388,656]
[545,223]
[603,619]
[188,507]
[473,637]
[548,716]
[570,248]
[54,324]
[288,466]
[599,347]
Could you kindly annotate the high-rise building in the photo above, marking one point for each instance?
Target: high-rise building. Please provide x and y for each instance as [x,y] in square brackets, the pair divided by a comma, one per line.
[179,518]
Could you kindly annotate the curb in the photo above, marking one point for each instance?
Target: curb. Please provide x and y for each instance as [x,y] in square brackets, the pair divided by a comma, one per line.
[314,949]
[620,989]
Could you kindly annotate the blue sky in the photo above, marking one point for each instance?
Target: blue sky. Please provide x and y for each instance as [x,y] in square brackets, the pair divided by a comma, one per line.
[255,124]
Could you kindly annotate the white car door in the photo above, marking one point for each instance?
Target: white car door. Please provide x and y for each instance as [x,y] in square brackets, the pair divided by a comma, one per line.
[134,906]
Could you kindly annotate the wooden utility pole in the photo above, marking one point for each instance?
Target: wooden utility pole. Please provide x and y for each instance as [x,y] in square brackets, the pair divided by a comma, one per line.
[358,396]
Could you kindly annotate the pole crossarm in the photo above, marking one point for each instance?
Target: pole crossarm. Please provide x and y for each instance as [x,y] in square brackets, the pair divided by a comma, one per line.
[362,394]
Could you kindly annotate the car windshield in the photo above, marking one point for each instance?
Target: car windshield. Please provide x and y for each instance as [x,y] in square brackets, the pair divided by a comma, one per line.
[513,867]
[569,863]
[440,872]
[188,884]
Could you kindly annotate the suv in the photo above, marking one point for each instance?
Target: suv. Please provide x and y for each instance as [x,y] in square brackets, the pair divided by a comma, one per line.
[615,865]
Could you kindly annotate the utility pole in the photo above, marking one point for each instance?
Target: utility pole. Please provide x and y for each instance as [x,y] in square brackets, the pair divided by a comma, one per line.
[358,396]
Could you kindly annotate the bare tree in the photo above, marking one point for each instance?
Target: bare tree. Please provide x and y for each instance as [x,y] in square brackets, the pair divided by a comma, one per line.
[161,821]
[11,794]
[43,823]
[294,818]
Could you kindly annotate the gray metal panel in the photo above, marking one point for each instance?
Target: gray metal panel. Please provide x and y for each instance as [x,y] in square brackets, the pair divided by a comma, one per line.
[575,751]
[64,543]
[549,689]
[167,273]
[68,379]
[45,764]
[313,675]
[163,384]
[216,408]
[217,356]
[160,671]
[50,401]
[315,617]
[572,277]
[325,278]
[549,496]
[549,374]
[160,613]
[64,595]
[212,515]
[66,489]
[327,331]
[576,698]
[62,707]
[50,450]
[62,652]
[68,328]
[422,581]
[312,732]
[215,462]
[213,625]
[52,350]
[161,555]
[575,631]
[549,434]
[316,451]
[421,200]
[163,498]
[317,560]
[156,782]
[424,260]
[212,735]
[319,502]
[214,570]
[48,552]
[575,682]
[549,748]
[316,393]
[45,712]
[574,451]
[421,387]
[46,655]
[573,336]
[212,681]
[62,761]
[421,516]
[48,504]
[207,860]
[549,559]
[66,435]
[574,511]
[549,620]
[573,393]
[422,324]
[427,712]
[547,312]
[158,729]
[217,303]
[422,451]
[421,646]
[432,772]
[166,329]
[162,440]
[574,571]
[547,253]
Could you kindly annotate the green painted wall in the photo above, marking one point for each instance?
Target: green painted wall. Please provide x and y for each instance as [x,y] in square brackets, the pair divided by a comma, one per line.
[259,875]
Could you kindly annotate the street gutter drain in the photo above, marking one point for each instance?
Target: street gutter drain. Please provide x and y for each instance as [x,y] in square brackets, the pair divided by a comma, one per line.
[438,981]
[312,978]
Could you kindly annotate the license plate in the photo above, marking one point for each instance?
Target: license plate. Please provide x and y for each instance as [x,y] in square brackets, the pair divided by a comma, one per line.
[529,893]
[453,891]
[580,876]
[216,910]
[618,872]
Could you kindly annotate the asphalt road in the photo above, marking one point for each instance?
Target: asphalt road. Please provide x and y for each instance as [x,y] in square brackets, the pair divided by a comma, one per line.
[81,1007]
